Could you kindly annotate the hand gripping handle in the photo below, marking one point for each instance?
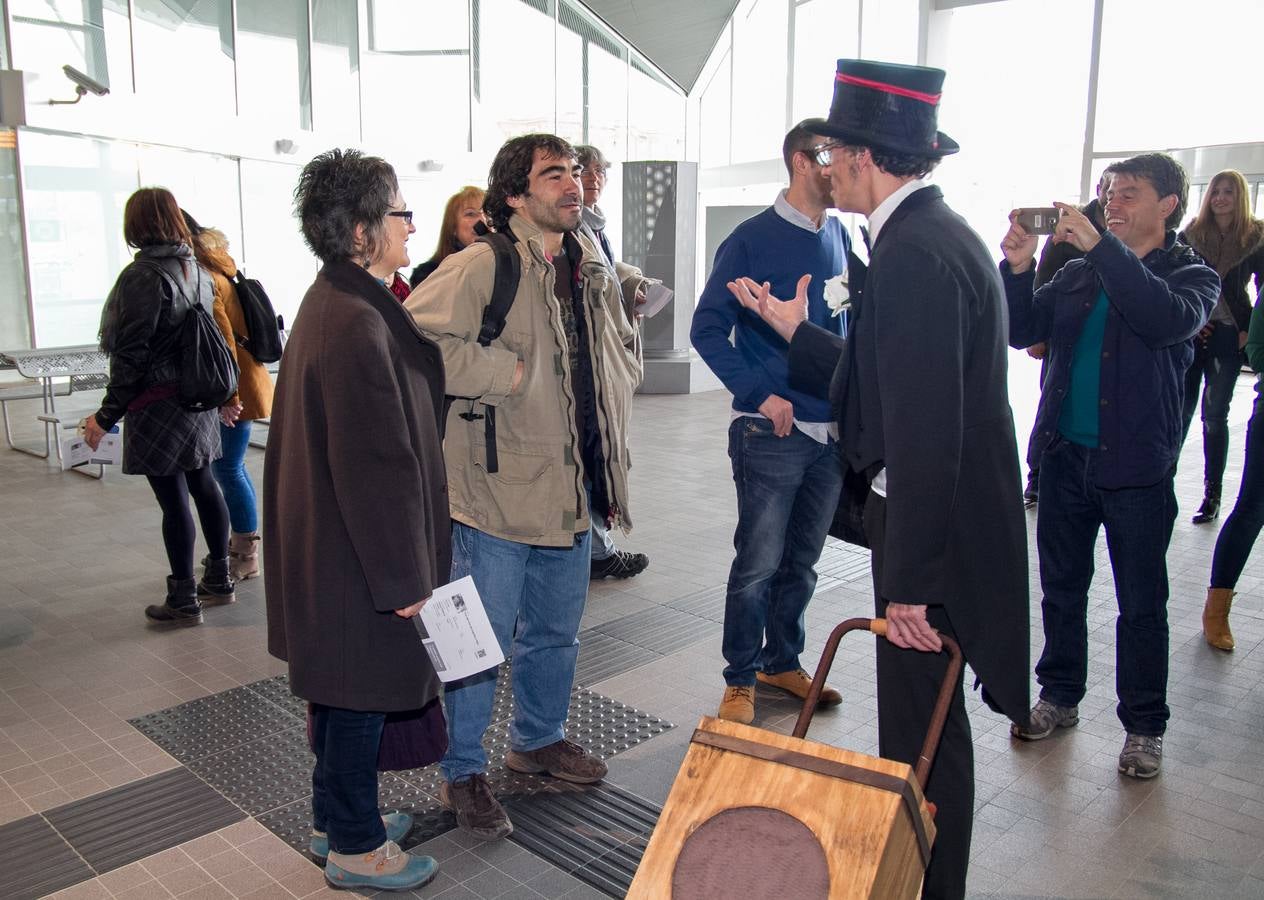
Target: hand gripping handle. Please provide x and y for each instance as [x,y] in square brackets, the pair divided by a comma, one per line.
[938,717]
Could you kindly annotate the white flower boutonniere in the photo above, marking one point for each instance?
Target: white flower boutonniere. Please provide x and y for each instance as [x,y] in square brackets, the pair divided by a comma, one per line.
[837,295]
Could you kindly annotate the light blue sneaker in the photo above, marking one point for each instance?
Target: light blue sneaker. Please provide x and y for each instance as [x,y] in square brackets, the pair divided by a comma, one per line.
[397,824]
[387,868]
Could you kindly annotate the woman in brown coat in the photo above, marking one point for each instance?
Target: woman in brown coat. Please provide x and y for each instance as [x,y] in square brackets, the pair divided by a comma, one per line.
[356,530]
[253,400]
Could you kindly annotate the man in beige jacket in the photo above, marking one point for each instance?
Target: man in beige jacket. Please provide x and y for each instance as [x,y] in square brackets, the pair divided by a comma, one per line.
[558,384]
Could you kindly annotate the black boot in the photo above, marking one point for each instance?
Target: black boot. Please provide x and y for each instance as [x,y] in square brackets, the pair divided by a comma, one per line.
[1210,510]
[216,586]
[182,606]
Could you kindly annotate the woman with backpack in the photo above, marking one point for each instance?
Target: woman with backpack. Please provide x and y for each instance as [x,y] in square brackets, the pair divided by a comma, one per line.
[253,400]
[142,328]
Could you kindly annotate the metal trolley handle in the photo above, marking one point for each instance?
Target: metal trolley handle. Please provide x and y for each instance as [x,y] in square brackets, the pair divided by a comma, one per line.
[938,717]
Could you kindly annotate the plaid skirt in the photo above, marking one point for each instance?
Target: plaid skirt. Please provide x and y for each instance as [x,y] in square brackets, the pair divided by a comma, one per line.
[164,438]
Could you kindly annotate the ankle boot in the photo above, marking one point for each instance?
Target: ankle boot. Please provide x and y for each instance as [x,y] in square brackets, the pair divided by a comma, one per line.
[1216,618]
[182,606]
[243,555]
[1210,510]
[216,586]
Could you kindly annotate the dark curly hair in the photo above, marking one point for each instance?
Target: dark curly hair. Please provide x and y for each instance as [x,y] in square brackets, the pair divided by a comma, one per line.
[510,174]
[1165,175]
[337,191]
[901,165]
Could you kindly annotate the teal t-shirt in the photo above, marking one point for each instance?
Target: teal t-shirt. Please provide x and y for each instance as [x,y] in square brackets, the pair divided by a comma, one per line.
[1079,419]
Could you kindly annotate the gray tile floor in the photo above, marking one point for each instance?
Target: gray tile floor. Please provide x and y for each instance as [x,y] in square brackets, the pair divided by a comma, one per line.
[79,559]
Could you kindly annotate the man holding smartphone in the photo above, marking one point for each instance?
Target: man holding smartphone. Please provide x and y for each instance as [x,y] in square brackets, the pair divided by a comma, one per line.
[1107,436]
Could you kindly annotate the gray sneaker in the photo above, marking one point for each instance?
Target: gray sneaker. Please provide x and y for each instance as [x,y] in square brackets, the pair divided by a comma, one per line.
[1142,755]
[1044,718]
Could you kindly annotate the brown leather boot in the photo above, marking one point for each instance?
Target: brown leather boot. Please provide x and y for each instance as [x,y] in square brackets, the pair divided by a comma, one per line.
[1216,618]
[243,555]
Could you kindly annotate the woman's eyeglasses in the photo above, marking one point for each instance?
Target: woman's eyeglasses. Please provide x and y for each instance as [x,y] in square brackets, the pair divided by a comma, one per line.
[405,214]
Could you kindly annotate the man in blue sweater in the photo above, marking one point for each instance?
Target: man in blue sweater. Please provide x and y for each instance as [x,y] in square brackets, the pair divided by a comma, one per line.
[1118,324]
[783,443]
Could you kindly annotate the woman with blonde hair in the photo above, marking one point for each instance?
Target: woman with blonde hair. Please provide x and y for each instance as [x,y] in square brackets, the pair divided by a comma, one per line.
[253,400]
[1232,242]
[463,211]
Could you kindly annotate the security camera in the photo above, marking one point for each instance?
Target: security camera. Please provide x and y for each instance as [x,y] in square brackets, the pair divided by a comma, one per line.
[84,84]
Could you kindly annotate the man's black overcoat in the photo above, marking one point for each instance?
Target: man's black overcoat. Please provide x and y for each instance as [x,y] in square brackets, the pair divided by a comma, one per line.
[920,388]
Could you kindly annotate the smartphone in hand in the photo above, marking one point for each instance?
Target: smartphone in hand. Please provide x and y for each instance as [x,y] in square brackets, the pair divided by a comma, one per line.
[1038,219]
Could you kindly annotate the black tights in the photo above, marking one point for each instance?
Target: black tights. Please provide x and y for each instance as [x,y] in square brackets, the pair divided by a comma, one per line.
[177,523]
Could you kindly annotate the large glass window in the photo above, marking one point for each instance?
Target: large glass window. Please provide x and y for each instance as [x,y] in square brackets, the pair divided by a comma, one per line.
[572,111]
[272,247]
[184,56]
[75,190]
[205,185]
[759,81]
[91,35]
[825,31]
[336,69]
[1032,153]
[1149,96]
[416,78]
[656,116]
[273,64]
[15,326]
[608,100]
[513,81]
[891,29]
[715,114]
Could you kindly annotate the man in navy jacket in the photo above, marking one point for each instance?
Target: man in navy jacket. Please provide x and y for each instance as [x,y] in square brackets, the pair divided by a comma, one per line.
[783,443]
[1118,324]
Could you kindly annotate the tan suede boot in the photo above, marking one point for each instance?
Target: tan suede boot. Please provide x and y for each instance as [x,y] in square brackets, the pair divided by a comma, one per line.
[1216,618]
[243,555]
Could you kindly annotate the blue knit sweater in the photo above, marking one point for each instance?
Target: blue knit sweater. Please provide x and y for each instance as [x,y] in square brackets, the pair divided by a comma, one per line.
[754,365]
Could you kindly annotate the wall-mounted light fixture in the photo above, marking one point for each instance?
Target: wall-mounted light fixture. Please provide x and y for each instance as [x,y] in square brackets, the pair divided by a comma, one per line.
[430,165]
[286,146]
[84,84]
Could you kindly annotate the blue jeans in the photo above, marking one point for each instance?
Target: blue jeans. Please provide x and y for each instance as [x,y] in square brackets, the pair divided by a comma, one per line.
[344,779]
[534,598]
[1218,361]
[1138,524]
[1240,530]
[234,481]
[787,491]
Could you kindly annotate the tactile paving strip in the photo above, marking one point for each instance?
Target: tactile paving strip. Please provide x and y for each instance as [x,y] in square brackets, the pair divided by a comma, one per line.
[263,774]
[597,835]
[707,603]
[277,690]
[213,724]
[602,657]
[842,561]
[261,762]
[36,861]
[661,629]
[140,819]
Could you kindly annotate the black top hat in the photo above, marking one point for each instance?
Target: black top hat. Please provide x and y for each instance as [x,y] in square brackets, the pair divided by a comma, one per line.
[887,106]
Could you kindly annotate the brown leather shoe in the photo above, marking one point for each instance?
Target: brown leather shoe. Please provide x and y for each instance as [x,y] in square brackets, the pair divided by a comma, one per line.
[561,759]
[798,682]
[738,704]
[476,808]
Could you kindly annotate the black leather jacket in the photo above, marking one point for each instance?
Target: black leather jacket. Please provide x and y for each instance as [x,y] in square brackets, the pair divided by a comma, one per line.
[141,326]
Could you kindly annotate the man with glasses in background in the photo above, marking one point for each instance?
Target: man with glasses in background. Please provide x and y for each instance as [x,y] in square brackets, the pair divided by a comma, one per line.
[783,443]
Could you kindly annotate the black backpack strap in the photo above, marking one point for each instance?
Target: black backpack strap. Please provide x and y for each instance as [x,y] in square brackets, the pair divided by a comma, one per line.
[504,290]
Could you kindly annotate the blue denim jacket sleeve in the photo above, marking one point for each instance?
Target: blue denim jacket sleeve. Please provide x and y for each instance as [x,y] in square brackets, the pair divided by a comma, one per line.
[1162,308]
[713,322]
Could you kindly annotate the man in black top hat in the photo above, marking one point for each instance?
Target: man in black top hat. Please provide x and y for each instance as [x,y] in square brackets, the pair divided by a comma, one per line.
[919,387]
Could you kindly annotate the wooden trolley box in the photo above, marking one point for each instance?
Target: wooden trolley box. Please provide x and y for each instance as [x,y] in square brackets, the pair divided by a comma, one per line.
[754,814]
